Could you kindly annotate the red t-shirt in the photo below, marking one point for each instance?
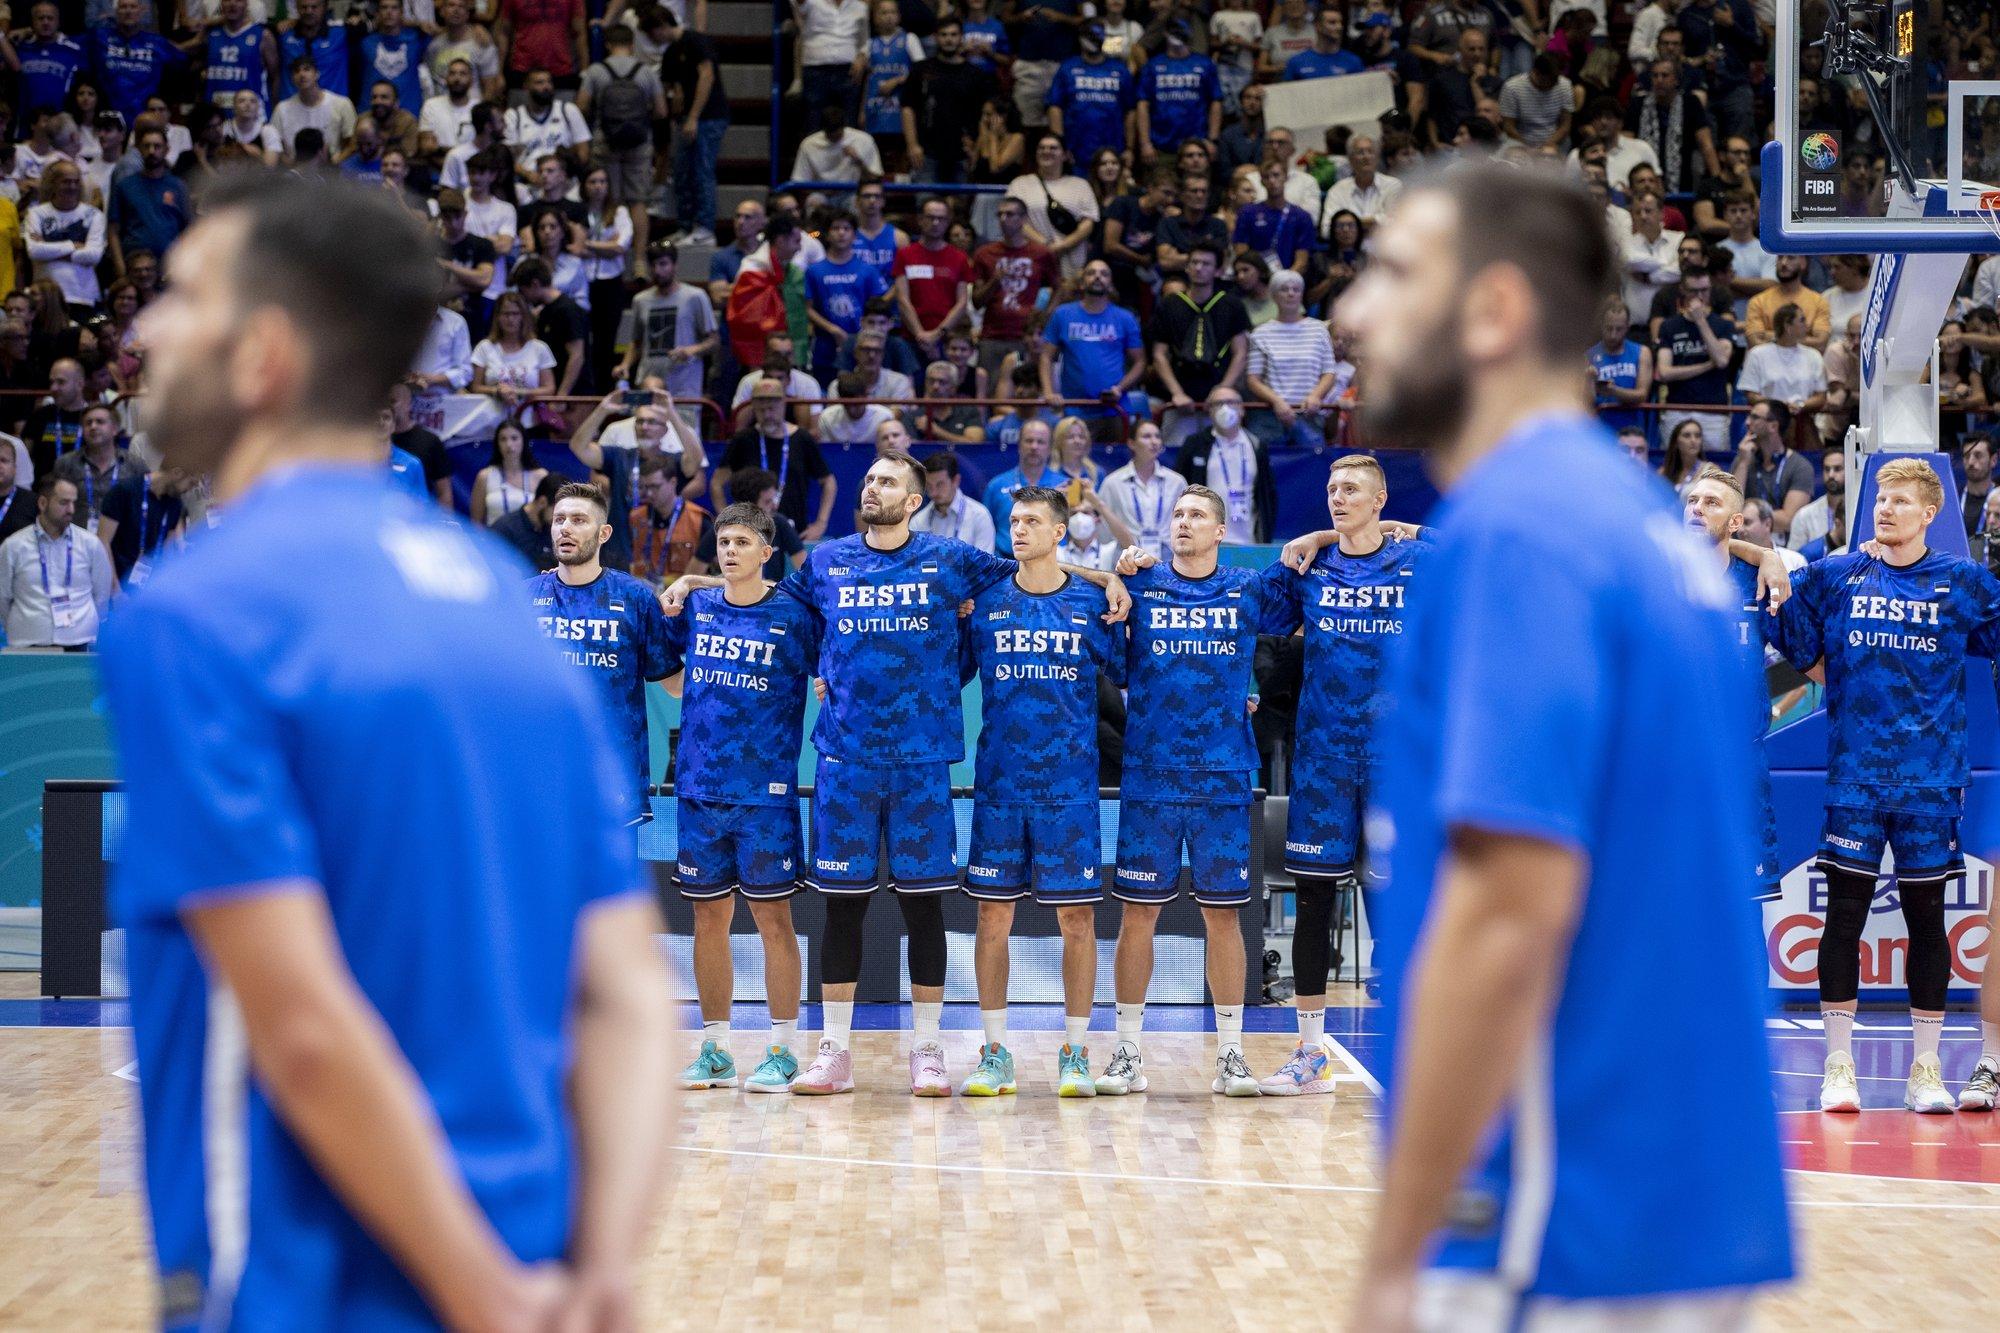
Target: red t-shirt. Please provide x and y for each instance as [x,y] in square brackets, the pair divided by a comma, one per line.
[934,277]
[1023,273]
[541,35]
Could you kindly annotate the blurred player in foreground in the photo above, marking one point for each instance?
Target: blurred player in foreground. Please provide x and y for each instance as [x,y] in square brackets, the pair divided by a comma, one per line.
[1545,894]
[402,1028]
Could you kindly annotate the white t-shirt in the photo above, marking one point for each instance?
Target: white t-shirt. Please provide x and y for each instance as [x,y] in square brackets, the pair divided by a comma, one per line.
[521,367]
[1841,306]
[1789,374]
[261,137]
[494,217]
[1073,193]
[1242,24]
[833,33]
[1232,474]
[448,123]
[532,138]
[967,521]
[800,385]
[333,117]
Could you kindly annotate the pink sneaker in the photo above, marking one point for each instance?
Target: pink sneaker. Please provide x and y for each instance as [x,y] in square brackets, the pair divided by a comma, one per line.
[831,1071]
[927,1072]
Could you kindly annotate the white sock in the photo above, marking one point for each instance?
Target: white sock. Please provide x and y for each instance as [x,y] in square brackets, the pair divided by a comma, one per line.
[837,1022]
[927,1017]
[1312,1027]
[785,1032]
[1131,1022]
[995,1023]
[1839,1031]
[1076,1030]
[1925,1032]
[1228,1028]
[1989,1039]
[717,1032]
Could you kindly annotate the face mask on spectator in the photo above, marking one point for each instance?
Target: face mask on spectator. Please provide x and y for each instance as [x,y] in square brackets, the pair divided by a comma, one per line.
[1227,417]
[1083,529]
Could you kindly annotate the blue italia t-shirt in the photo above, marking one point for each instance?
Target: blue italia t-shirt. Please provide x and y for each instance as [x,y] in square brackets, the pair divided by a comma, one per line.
[1037,656]
[1092,348]
[613,628]
[1894,641]
[839,291]
[1095,99]
[1622,369]
[1180,91]
[879,250]
[1523,698]
[743,702]
[889,644]
[384,734]
[1190,664]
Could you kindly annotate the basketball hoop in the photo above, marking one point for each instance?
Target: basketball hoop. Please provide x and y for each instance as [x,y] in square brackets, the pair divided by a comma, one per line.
[1988,209]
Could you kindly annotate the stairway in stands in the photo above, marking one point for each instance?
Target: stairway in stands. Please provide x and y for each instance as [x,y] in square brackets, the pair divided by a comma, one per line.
[741,30]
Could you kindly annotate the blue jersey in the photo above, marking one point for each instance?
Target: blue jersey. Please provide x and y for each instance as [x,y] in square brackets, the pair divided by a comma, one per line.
[1754,628]
[614,629]
[1525,698]
[384,733]
[1180,93]
[879,250]
[1037,655]
[743,702]
[49,70]
[889,644]
[1894,642]
[395,60]
[985,39]
[408,472]
[329,55]
[888,58]
[840,290]
[1352,609]
[1095,99]
[235,62]
[1276,230]
[1092,348]
[1622,369]
[1316,65]
[129,69]
[1190,667]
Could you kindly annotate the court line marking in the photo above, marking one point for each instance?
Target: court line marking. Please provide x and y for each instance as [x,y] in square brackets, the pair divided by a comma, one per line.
[1374,1084]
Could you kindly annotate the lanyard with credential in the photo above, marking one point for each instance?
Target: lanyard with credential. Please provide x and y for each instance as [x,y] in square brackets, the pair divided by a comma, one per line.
[656,546]
[9,505]
[1229,486]
[69,570]
[784,459]
[90,490]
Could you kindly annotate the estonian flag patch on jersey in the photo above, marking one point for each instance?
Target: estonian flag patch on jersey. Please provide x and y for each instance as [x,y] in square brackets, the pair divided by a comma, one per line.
[1235,593]
[617,608]
[1076,619]
[927,569]
[1942,589]
[777,629]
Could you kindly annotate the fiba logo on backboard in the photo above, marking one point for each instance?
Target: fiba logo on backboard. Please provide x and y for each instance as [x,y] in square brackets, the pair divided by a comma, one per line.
[1819,177]
[1793,921]
[1820,152]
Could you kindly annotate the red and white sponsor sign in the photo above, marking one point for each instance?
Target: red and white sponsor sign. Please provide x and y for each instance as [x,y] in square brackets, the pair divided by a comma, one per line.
[1793,922]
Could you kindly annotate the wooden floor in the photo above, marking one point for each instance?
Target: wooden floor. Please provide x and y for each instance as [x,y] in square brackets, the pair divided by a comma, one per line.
[1176,1209]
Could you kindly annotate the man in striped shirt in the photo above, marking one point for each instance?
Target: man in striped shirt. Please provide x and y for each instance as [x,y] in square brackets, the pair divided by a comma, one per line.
[1290,369]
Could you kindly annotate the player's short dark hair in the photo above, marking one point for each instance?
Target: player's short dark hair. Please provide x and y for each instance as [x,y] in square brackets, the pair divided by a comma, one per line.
[751,516]
[751,482]
[583,490]
[944,461]
[905,460]
[46,483]
[350,266]
[1048,497]
[1211,499]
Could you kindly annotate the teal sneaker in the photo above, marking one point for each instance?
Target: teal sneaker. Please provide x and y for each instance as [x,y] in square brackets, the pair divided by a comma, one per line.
[995,1075]
[712,1068]
[774,1073]
[1073,1073]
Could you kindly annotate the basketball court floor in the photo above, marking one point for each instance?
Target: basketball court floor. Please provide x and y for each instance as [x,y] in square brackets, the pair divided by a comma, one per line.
[1176,1209]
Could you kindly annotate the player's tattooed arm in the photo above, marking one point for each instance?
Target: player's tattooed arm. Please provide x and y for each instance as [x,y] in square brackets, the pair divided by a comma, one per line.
[1774,581]
[1118,602]
[677,592]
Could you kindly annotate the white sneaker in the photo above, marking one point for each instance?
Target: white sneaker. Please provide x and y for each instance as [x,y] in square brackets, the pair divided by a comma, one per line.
[1126,1072]
[1925,1093]
[1837,1091]
[1233,1077]
[699,236]
[1983,1088]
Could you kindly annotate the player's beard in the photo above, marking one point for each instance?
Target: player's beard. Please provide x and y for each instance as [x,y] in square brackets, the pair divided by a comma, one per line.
[879,515]
[1422,403]
[188,415]
[585,552]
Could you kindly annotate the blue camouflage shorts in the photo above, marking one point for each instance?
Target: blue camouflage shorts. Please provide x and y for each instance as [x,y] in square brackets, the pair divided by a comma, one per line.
[753,849]
[1151,834]
[1926,845]
[1018,845]
[858,807]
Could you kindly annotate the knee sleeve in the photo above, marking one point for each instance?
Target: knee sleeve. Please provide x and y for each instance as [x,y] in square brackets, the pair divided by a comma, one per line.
[1312,941]
[1928,967]
[1848,895]
[840,960]
[923,916]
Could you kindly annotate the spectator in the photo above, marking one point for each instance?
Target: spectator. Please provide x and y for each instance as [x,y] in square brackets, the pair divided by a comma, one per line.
[65,236]
[773,443]
[418,443]
[1140,495]
[554,194]
[951,512]
[689,68]
[667,528]
[1632,441]
[1622,371]
[1683,458]
[310,35]
[1451,94]
[467,259]
[1785,369]
[1843,380]
[1753,268]
[941,101]
[1089,541]
[1621,152]
[149,207]
[1959,385]
[673,329]
[1768,469]
[849,421]
[17,503]
[95,468]
[510,363]
[1691,259]
[1093,100]
[1201,338]
[1279,231]
[51,61]
[1053,197]
[131,61]
[1536,107]
[1692,357]
[38,151]
[656,429]
[1815,517]
[1100,347]
[550,36]
[1848,296]
[543,123]
[1759,325]
[445,120]
[311,107]
[1242,141]
[1045,35]
[1250,279]
[489,133]
[880,382]
[509,479]
[394,54]
[1233,463]
[1010,280]
[1070,465]
[961,348]
[560,323]
[56,579]
[875,238]
[249,127]
[1131,233]
[1975,457]
[1292,33]
[1031,469]
[138,518]
[527,529]
[624,97]
[1366,193]
[1290,369]
[1180,96]
[1180,233]
[394,124]
[833,37]
[933,281]
[362,158]
[56,426]
[1652,254]
[787,547]
[779,364]
[1326,59]
[838,289]
[836,151]
[1673,122]
[936,421]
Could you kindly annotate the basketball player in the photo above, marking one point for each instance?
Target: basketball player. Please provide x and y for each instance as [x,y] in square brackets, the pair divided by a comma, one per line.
[606,623]
[1535,799]
[1189,764]
[402,1027]
[887,734]
[744,655]
[1037,642]
[1890,634]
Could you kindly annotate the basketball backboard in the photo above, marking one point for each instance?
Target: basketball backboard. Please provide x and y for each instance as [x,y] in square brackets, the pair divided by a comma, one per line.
[1867,158]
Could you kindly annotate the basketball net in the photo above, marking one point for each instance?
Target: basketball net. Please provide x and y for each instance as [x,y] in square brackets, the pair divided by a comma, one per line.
[1988,208]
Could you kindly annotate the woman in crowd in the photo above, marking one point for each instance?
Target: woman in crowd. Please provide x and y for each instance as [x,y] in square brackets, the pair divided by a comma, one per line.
[1343,260]
[510,476]
[116,338]
[1051,188]
[52,334]
[550,243]
[1070,457]
[998,150]
[607,252]
[1684,456]
[1107,178]
[511,363]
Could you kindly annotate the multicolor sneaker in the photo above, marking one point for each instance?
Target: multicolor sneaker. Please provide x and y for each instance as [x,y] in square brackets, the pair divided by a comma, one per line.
[1838,1090]
[1126,1072]
[1073,1072]
[995,1075]
[928,1077]
[831,1071]
[1983,1088]
[1925,1094]
[1233,1077]
[1308,1071]
[774,1073]
[713,1067]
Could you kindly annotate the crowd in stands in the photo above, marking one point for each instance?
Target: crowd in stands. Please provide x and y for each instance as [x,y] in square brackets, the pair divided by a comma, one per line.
[1152,271]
